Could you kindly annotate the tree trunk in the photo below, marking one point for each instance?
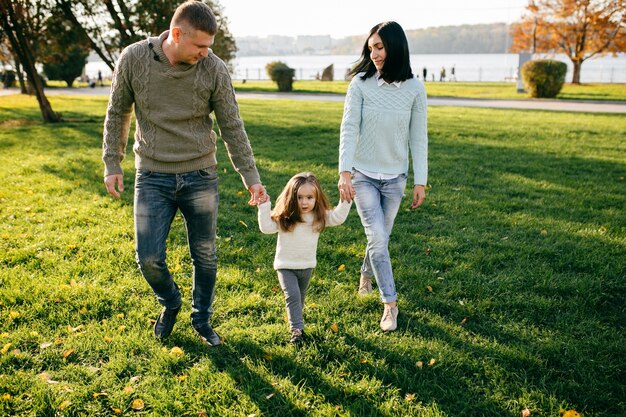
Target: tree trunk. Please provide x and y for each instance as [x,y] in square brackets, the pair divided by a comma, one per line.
[20,76]
[576,74]
[12,25]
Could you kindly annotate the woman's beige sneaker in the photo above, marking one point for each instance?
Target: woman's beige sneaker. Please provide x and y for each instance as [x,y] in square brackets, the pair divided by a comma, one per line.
[365,286]
[389,322]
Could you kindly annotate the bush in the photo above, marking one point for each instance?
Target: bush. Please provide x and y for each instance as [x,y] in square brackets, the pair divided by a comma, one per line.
[281,74]
[544,78]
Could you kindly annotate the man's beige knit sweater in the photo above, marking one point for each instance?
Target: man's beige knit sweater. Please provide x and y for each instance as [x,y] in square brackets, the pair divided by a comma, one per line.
[173,103]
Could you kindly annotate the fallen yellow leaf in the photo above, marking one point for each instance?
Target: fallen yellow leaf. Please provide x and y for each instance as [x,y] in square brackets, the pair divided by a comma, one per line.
[116,410]
[544,232]
[334,327]
[525,412]
[429,288]
[244,223]
[181,378]
[14,314]
[137,404]
[363,360]
[432,362]
[409,397]
[6,396]
[107,339]
[99,394]
[120,316]
[128,389]
[68,353]
[6,348]
[419,364]
[176,351]
[571,413]
[64,405]
[121,328]
[342,267]
[83,310]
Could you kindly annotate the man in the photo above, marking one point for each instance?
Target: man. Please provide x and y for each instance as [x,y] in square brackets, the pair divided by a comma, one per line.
[174,82]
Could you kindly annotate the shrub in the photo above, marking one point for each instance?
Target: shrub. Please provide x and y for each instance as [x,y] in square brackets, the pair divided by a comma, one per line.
[544,78]
[281,74]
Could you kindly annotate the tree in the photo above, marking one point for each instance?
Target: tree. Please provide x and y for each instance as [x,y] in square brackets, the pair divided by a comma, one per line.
[111,25]
[580,29]
[15,16]
[66,50]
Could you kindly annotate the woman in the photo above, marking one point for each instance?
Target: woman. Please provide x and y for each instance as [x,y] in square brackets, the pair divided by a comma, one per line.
[384,117]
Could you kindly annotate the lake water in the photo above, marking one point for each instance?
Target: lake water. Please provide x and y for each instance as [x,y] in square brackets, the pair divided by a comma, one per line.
[468,67]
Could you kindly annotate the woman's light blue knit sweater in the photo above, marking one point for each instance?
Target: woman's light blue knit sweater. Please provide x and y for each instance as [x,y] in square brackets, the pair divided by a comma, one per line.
[380,124]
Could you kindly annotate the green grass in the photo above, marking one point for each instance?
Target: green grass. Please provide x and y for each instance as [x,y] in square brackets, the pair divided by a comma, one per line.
[486,90]
[522,240]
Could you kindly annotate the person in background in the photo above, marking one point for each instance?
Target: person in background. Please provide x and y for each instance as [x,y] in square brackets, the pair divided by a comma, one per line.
[384,118]
[174,82]
[424,74]
[302,212]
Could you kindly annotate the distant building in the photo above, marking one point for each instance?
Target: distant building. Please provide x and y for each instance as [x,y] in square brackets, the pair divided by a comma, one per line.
[321,44]
[271,45]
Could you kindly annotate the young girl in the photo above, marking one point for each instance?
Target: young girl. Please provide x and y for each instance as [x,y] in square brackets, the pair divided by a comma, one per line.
[302,211]
[384,118]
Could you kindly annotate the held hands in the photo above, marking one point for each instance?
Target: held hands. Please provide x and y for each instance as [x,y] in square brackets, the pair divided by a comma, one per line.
[110,181]
[258,195]
[346,190]
[419,194]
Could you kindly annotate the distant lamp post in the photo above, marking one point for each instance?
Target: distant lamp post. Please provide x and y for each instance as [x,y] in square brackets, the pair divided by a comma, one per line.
[523,58]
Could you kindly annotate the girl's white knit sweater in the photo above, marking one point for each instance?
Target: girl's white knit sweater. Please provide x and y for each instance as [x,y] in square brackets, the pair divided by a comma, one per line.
[297,249]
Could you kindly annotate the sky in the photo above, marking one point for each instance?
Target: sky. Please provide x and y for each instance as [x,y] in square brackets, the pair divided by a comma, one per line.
[340,18]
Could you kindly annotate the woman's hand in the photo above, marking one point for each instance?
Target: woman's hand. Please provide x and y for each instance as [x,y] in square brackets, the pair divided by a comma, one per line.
[346,190]
[419,194]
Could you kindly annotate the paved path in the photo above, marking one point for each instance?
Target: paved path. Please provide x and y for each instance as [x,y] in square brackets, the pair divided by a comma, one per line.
[556,105]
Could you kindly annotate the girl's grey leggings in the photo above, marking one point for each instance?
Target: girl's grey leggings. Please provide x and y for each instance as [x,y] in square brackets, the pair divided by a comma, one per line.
[294,283]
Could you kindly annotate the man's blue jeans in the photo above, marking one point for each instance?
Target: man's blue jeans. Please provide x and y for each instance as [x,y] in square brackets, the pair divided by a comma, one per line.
[158,196]
[377,202]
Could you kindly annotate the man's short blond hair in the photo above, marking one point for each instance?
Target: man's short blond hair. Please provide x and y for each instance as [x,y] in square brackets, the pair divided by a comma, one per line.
[197,15]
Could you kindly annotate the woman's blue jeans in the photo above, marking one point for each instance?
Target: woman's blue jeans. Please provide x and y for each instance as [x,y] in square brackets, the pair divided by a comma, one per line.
[377,202]
[158,197]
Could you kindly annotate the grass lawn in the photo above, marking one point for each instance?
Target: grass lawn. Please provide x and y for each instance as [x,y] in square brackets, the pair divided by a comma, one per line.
[511,277]
[486,90]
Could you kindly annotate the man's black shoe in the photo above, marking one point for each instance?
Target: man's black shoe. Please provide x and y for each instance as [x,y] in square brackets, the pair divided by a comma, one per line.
[165,322]
[208,335]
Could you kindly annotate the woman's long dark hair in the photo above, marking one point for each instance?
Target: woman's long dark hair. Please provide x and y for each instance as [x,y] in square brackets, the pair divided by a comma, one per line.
[397,66]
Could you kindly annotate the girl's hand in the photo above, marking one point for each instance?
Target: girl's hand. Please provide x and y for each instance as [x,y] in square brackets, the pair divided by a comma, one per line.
[419,194]
[346,190]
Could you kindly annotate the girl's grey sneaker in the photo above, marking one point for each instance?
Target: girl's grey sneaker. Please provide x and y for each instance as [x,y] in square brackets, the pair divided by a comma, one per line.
[365,286]
[389,322]
[165,322]
[208,335]
[297,336]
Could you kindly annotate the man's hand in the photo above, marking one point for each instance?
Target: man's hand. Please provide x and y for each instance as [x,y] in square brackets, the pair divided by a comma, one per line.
[419,194]
[258,195]
[346,190]
[110,181]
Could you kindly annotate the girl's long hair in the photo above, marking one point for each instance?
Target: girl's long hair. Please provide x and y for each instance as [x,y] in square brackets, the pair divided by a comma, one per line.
[397,66]
[287,212]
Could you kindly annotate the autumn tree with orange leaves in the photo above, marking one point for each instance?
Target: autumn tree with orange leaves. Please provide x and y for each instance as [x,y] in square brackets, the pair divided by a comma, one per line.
[580,29]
